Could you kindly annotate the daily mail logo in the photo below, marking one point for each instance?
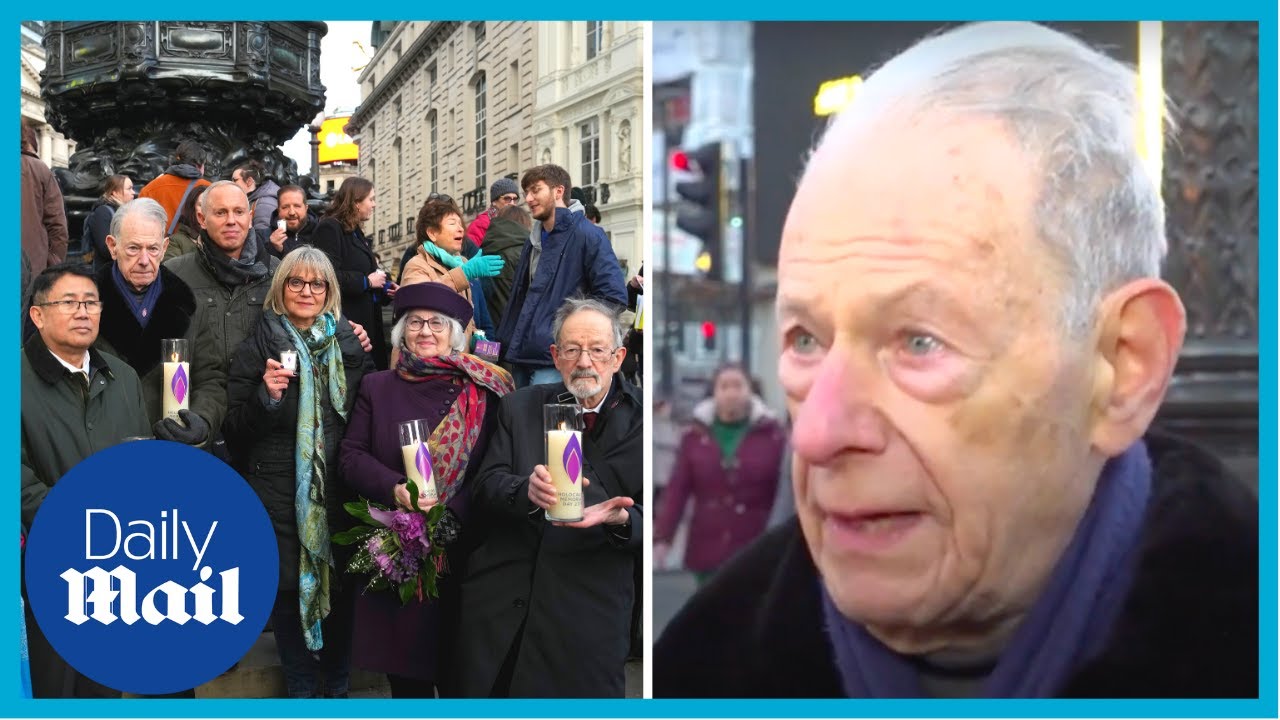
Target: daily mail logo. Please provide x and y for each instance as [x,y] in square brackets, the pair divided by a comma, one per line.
[95,588]
[122,556]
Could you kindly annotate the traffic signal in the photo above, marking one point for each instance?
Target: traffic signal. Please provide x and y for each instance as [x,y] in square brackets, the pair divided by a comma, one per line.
[708,335]
[701,215]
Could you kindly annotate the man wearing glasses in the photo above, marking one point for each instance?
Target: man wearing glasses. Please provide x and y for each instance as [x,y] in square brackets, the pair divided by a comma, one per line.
[546,607]
[76,401]
[503,193]
[143,304]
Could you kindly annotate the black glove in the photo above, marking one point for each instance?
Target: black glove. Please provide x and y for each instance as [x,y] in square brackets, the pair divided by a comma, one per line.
[195,432]
[447,529]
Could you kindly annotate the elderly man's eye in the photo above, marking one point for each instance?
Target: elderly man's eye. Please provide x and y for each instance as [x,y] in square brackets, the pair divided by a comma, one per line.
[921,344]
[803,342]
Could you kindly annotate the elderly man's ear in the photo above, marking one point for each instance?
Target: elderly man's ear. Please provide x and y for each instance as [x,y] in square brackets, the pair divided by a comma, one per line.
[1141,327]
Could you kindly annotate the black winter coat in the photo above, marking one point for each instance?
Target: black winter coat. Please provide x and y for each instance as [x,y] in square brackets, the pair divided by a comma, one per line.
[262,438]
[565,592]
[352,258]
[1189,627]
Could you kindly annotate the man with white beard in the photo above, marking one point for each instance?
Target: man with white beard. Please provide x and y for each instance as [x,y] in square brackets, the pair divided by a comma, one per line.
[546,607]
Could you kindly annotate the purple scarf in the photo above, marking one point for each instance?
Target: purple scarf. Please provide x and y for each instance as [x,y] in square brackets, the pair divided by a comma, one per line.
[142,306]
[1067,626]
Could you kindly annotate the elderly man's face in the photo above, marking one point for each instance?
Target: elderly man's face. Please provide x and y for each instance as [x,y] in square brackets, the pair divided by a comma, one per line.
[941,415]
[586,356]
[139,250]
[227,220]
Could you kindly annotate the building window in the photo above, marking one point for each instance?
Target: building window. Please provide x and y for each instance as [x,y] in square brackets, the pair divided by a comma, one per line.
[513,157]
[477,31]
[433,138]
[589,142]
[431,77]
[399,107]
[480,131]
[595,35]
[331,184]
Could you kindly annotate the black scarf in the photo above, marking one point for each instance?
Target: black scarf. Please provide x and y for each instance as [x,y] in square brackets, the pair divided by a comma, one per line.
[233,273]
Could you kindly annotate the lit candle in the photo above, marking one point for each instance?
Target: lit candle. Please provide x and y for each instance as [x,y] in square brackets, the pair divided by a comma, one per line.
[176,393]
[564,462]
[417,459]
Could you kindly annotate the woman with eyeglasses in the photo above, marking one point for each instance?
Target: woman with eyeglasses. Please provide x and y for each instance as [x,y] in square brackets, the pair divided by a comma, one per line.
[435,380]
[289,395]
[365,287]
[116,191]
[440,234]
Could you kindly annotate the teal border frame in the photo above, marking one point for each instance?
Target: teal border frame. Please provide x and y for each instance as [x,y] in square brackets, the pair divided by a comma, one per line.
[1262,11]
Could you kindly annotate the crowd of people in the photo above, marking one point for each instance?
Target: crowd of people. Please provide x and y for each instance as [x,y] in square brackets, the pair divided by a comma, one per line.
[246,272]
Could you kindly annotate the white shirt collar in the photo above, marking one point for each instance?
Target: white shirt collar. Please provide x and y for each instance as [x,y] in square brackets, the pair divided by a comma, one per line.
[84,363]
[596,409]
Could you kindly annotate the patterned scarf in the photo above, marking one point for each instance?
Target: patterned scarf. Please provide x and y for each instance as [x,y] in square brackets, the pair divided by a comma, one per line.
[451,442]
[320,370]
[142,306]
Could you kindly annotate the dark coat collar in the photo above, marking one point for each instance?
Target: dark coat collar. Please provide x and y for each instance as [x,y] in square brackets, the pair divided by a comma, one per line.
[138,346]
[47,366]
[1189,627]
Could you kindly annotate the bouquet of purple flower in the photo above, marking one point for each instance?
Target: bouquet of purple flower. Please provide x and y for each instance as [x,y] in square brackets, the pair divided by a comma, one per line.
[396,548]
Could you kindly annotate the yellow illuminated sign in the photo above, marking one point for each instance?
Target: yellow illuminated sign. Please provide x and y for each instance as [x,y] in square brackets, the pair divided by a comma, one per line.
[335,144]
[836,95]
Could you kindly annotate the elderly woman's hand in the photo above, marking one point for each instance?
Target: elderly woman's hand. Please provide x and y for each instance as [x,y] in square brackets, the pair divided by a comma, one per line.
[276,378]
[406,502]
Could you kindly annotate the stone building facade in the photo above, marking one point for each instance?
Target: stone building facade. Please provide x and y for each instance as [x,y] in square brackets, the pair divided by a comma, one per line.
[446,107]
[588,119]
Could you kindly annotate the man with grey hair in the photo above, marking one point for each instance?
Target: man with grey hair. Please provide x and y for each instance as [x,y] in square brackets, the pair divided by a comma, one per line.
[975,342]
[143,304]
[546,606]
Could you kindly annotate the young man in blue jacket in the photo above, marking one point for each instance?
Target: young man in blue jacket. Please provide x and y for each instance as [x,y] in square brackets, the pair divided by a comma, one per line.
[566,256]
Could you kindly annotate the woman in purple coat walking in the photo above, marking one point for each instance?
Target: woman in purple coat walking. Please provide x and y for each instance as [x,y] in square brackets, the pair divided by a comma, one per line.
[727,464]
[457,394]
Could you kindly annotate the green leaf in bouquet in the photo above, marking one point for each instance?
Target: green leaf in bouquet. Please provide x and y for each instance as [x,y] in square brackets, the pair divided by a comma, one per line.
[360,510]
[429,584]
[354,535]
[413,494]
[406,592]
[379,583]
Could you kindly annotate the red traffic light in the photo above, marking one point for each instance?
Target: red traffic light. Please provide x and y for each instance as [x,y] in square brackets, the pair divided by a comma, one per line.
[708,330]
[680,160]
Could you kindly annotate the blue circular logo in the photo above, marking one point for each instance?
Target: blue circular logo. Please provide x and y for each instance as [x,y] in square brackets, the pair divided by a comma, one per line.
[151,567]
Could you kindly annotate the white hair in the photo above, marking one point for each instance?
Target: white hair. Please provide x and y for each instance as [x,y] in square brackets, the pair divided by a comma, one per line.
[1074,111]
[457,333]
[146,208]
[575,305]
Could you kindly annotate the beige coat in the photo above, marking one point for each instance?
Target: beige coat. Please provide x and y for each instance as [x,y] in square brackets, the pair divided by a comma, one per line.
[425,268]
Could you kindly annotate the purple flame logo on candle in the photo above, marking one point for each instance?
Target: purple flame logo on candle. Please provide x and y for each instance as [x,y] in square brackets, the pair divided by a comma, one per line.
[572,458]
[422,460]
[179,384]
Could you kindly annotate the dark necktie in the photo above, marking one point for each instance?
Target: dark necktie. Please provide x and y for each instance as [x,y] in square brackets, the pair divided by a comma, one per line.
[589,419]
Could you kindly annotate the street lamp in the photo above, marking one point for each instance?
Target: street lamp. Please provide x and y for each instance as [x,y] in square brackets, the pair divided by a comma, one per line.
[315,150]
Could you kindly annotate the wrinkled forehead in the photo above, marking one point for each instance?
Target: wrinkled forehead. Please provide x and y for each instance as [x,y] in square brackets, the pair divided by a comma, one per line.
[962,183]
[139,229]
[290,198]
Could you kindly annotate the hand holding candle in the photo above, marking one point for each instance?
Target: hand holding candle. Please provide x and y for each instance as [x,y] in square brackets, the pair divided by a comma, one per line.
[177,377]
[565,461]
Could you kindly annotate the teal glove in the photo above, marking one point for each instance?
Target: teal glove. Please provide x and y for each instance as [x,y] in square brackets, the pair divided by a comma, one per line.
[482,267]
[449,261]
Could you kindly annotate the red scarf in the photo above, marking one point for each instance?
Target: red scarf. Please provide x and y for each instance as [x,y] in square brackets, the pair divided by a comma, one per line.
[453,439]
